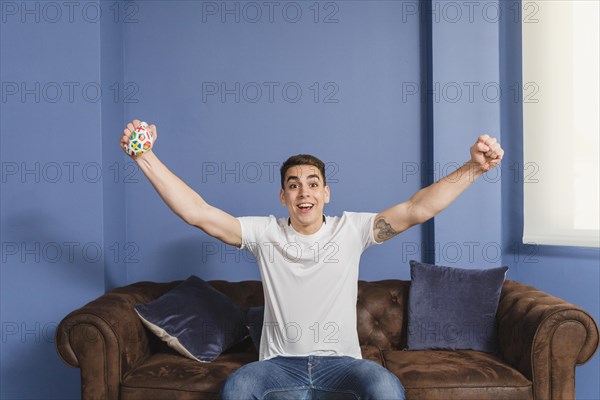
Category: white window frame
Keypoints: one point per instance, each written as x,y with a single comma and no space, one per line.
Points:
561,122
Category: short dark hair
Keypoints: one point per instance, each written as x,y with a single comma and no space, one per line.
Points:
302,159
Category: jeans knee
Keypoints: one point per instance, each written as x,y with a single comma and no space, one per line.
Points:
238,387
386,387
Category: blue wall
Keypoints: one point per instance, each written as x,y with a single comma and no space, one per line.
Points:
51,199
465,66
368,116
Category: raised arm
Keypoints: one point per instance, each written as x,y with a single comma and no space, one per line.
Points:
486,153
182,199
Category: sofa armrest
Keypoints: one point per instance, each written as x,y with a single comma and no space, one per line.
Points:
105,338
544,337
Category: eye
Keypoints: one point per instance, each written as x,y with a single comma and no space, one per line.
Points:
314,184
293,186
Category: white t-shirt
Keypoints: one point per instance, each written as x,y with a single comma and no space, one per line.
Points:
310,283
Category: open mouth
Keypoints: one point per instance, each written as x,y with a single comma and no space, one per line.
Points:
305,207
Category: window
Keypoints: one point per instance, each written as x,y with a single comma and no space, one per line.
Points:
561,122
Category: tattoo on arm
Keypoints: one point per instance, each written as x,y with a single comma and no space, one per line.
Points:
385,230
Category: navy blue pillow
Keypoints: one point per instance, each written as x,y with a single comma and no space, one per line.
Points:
254,322
453,308
195,319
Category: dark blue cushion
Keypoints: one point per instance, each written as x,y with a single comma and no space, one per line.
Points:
254,322
453,308
195,319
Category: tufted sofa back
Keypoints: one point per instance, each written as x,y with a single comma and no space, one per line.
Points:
381,308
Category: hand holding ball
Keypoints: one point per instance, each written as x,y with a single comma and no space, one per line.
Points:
140,140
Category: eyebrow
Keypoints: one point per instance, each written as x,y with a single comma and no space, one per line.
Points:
295,178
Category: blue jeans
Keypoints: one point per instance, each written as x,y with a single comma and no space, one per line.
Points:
311,378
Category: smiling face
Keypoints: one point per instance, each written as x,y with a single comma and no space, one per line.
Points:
305,196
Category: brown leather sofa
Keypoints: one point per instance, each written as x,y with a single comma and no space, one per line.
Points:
541,339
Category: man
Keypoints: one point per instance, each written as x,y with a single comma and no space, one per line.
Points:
309,267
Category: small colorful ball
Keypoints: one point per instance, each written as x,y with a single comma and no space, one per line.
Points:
140,140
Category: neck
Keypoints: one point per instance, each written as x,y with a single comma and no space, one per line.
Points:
307,230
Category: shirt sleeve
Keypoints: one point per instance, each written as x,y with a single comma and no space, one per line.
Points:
363,223
253,229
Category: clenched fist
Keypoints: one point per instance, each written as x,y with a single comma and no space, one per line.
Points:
129,129
486,153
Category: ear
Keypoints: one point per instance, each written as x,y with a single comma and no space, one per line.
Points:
327,194
281,197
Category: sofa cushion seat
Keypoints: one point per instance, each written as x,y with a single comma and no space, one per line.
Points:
170,376
458,374
166,375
